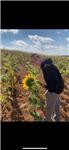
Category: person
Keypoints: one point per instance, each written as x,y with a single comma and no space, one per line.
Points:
36,59
54,86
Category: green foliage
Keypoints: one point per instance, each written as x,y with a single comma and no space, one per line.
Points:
36,116
8,78
34,89
63,66
31,69
10,62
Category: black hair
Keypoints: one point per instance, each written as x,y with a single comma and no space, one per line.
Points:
34,55
52,77
46,62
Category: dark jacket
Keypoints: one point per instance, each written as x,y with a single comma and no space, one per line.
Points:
52,77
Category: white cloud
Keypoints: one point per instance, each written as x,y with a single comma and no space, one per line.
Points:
7,47
58,32
67,39
37,39
3,30
20,43
14,31
47,50
39,44
65,30
54,50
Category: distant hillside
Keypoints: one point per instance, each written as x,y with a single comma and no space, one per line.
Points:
29,53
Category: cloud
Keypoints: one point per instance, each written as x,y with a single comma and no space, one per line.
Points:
67,39
37,39
58,32
40,45
54,50
58,50
7,47
14,31
20,43
65,30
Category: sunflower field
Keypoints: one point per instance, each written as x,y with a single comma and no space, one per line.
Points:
22,97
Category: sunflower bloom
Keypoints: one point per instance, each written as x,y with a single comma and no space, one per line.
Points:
28,81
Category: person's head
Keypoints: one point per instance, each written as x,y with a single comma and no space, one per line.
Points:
35,58
46,62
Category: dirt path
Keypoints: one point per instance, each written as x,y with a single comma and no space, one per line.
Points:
65,104
20,107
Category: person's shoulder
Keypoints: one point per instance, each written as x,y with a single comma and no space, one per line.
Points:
54,67
43,62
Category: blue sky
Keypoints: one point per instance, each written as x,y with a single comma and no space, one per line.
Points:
43,41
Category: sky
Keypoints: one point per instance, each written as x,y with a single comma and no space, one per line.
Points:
41,41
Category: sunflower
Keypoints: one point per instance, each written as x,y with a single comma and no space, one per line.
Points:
28,81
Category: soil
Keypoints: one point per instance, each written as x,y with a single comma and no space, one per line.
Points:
19,106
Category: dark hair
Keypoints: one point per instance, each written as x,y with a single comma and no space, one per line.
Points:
46,62
34,55
52,77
